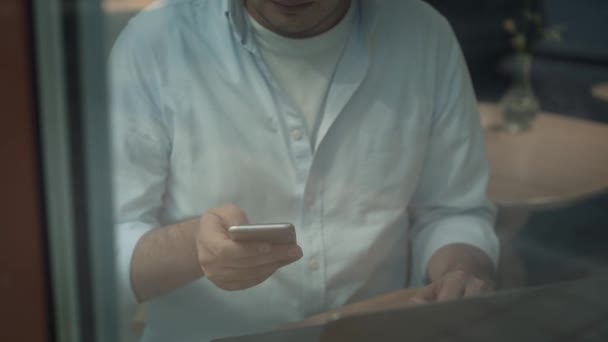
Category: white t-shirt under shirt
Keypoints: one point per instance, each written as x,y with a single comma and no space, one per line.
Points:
304,68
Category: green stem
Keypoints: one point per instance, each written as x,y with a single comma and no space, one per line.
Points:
527,9
526,68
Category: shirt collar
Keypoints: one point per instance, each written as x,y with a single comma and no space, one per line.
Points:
234,12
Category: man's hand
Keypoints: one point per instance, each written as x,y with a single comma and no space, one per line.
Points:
452,285
234,265
456,271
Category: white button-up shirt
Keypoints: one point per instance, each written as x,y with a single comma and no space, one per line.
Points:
399,170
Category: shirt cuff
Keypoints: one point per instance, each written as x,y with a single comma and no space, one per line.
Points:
127,235
459,229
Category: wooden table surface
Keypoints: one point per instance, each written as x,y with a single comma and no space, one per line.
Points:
566,311
600,91
559,161
393,300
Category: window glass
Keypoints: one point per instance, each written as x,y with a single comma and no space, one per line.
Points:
249,167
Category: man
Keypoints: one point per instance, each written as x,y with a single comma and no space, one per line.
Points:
353,120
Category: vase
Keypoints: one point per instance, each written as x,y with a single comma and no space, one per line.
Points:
520,106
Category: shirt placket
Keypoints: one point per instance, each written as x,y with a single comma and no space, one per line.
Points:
310,237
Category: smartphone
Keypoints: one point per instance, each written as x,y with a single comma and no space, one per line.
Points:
280,233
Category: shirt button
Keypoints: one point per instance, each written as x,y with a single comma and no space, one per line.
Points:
273,124
296,134
313,264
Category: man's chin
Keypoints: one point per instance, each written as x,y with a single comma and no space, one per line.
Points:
291,30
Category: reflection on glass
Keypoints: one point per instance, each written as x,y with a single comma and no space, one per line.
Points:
359,147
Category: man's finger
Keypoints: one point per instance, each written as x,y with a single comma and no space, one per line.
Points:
424,295
417,300
239,285
451,288
289,253
228,250
229,215
212,231
475,287
239,274
215,239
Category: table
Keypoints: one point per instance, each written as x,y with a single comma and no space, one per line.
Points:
558,162
393,300
600,91
531,314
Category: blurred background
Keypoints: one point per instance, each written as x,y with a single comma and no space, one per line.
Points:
569,78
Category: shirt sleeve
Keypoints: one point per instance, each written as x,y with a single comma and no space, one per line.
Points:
140,153
450,203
